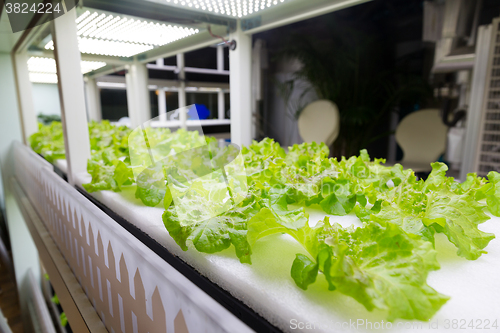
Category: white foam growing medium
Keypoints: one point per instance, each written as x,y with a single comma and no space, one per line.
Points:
266,285
62,165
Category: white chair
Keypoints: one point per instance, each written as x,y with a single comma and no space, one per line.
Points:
422,137
319,122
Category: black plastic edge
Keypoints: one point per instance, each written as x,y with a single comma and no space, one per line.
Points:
60,173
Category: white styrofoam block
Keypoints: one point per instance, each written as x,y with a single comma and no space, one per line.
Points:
62,165
266,285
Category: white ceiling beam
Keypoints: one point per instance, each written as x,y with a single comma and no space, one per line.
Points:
160,83
108,69
295,11
188,69
159,10
191,43
84,56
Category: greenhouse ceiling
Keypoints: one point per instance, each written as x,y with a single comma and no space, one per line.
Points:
110,34
231,8
44,70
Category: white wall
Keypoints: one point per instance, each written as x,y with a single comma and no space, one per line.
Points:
24,250
10,126
46,99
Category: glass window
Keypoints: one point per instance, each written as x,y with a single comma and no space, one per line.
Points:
172,100
114,104
227,105
153,102
209,100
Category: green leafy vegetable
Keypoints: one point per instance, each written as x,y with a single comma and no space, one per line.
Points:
437,205
217,233
383,264
151,187
381,268
49,141
63,319
493,194
304,271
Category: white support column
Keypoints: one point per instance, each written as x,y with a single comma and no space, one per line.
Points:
138,94
25,95
220,58
93,100
23,249
240,62
182,89
162,105
71,94
130,94
221,104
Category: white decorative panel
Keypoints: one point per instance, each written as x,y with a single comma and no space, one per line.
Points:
131,287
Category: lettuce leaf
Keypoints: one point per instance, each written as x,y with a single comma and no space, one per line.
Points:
49,141
493,194
381,268
215,234
276,202
304,271
383,265
437,205
102,177
151,185
458,216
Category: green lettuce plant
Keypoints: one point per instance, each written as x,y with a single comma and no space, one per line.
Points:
383,264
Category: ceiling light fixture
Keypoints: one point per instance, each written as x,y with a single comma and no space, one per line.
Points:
106,34
43,70
235,8
43,78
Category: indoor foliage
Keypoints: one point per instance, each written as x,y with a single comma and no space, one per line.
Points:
383,264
